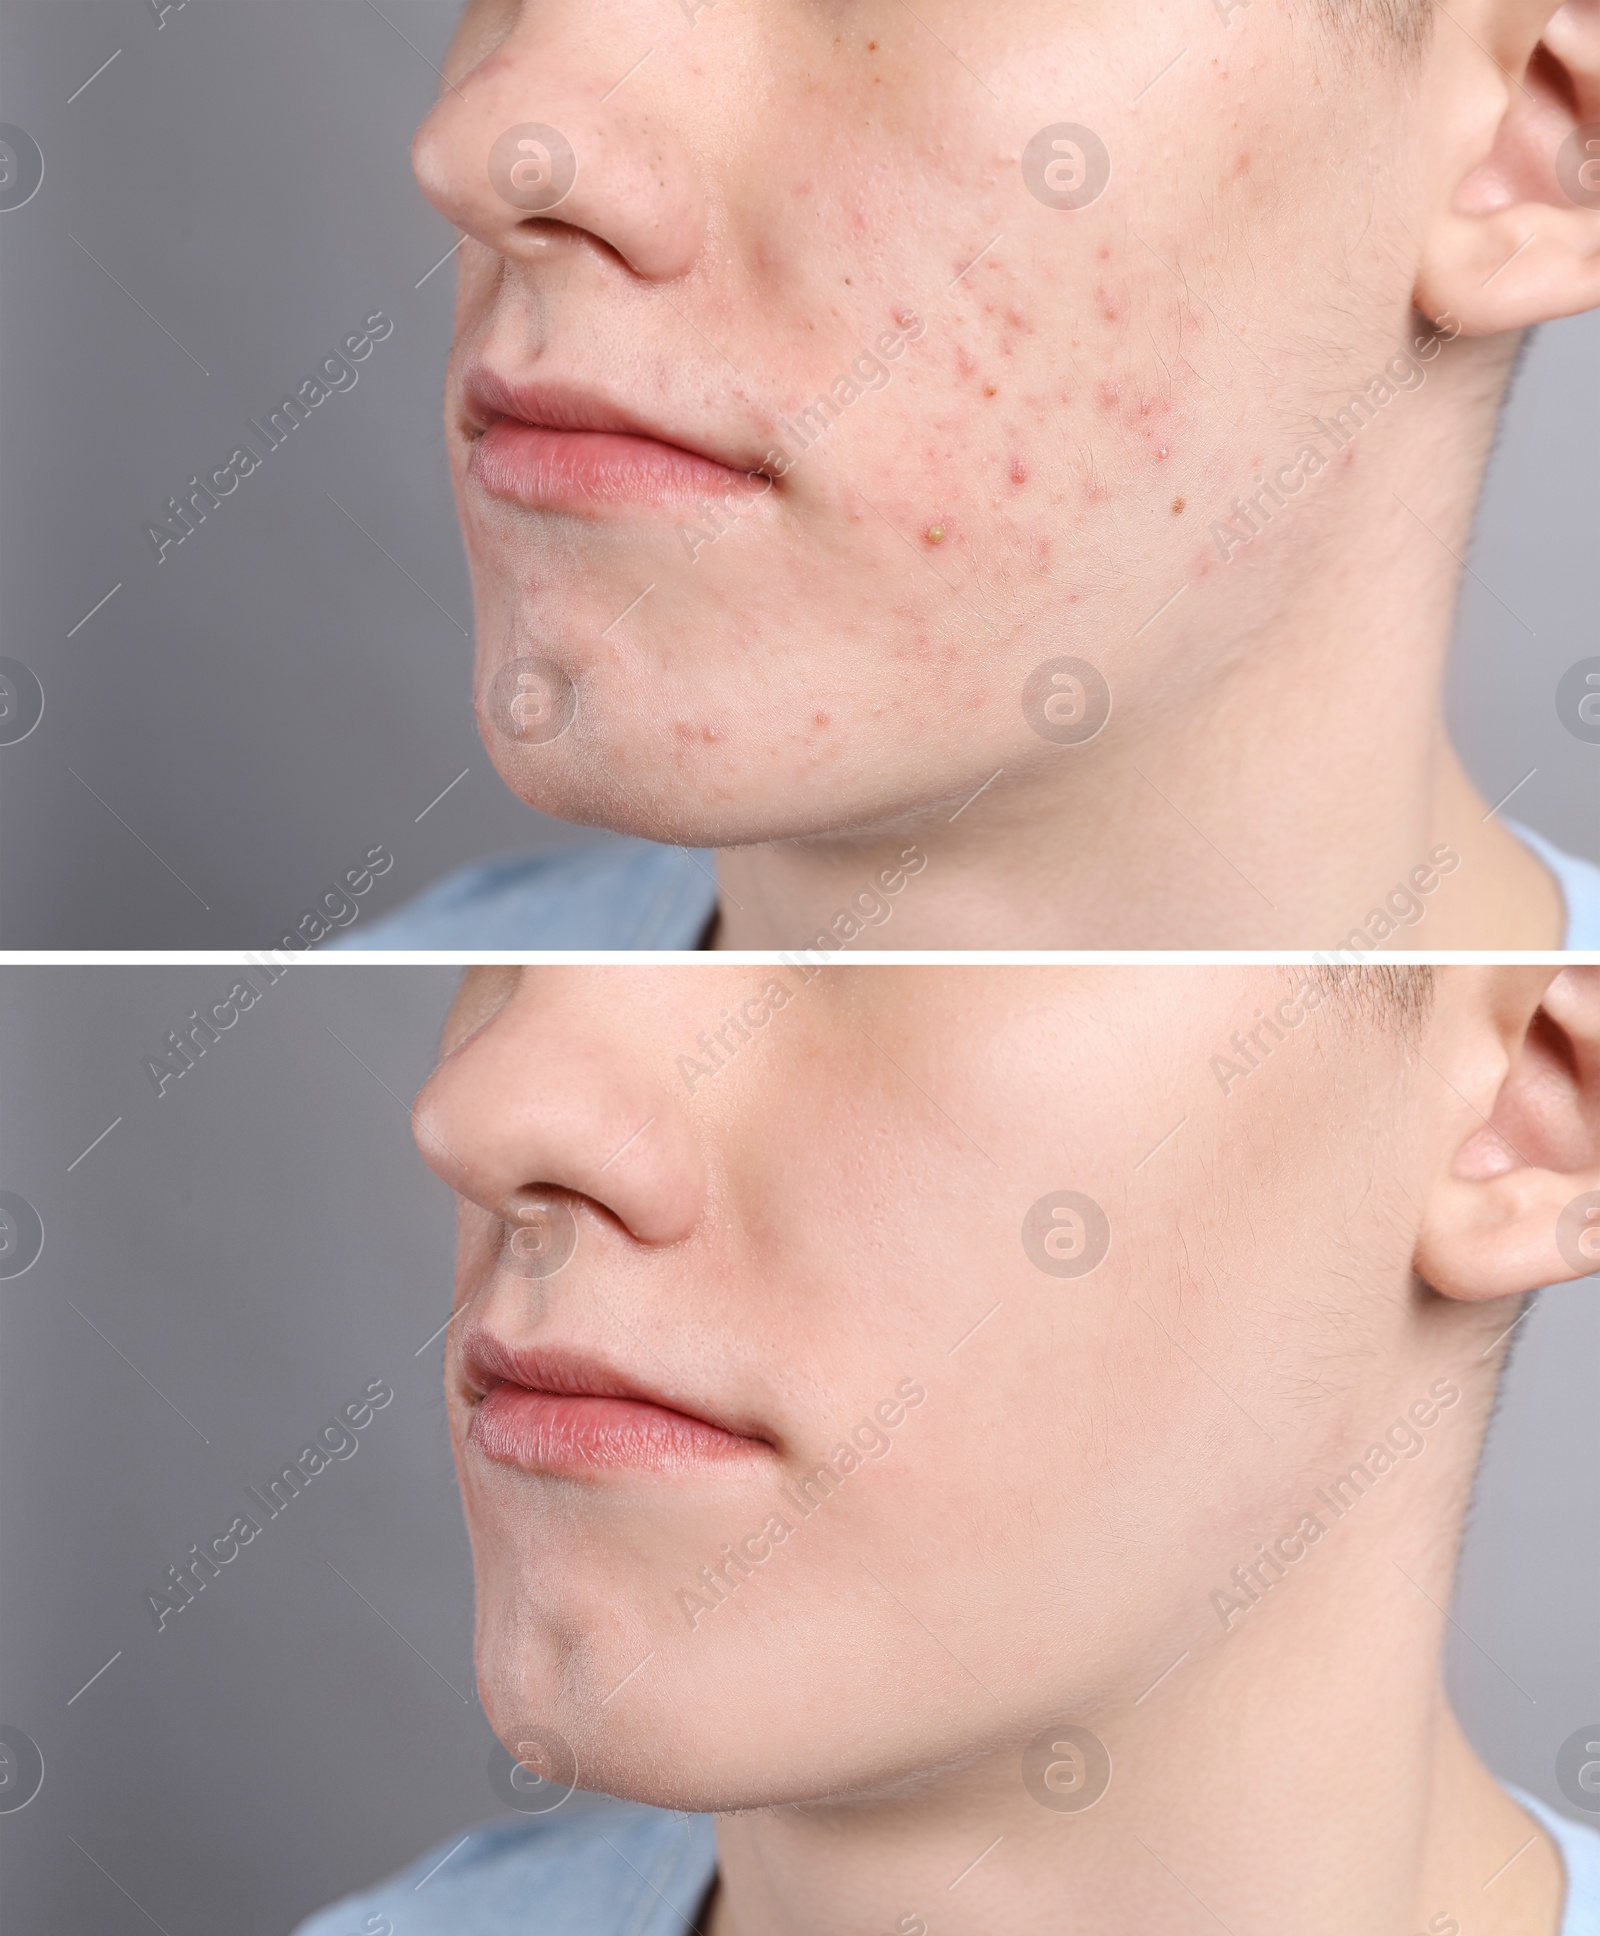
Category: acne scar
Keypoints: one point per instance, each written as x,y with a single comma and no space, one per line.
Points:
989,390
1019,471
1179,505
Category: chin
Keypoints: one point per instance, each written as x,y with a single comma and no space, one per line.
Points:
706,796
758,1716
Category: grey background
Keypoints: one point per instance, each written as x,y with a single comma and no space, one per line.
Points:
277,697
257,1244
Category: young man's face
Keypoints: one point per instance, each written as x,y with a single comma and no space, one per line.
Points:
965,327
1006,1311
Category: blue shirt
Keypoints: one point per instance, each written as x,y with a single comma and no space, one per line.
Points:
634,894
635,1871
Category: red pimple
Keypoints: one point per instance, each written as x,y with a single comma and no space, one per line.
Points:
1019,471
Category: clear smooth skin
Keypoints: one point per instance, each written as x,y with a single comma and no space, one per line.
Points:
791,1235
807,650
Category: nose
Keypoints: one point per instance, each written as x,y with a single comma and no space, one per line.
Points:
564,1087
548,135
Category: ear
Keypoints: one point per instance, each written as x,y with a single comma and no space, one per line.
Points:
1516,239
1519,1205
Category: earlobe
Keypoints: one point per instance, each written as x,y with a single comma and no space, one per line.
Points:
1517,241
1519,1204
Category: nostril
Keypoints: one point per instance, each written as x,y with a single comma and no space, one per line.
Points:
539,1235
533,167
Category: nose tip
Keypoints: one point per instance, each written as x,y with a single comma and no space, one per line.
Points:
526,1108
516,176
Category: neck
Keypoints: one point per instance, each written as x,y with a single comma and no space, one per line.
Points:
1304,1778
1286,845
1275,772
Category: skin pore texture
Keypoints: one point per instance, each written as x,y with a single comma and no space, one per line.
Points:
813,646
805,1226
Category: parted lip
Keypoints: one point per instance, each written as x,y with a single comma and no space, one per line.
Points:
490,396
488,1361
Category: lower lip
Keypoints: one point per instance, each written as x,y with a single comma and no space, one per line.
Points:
567,1432
587,470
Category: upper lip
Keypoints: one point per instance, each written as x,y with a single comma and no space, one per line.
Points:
489,395
488,1361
